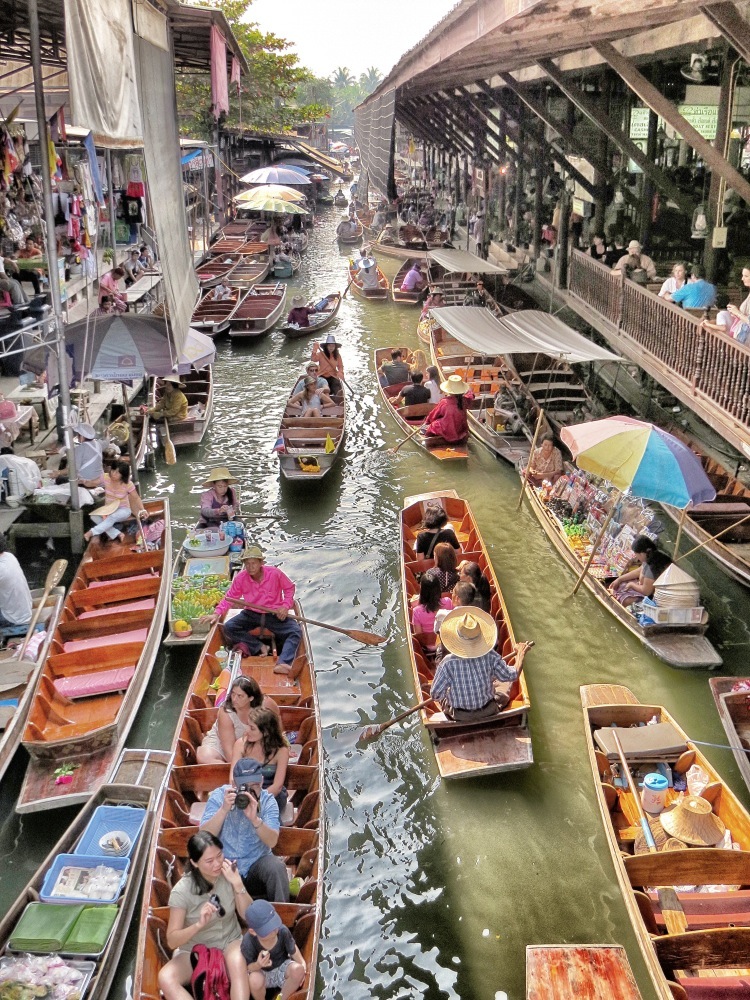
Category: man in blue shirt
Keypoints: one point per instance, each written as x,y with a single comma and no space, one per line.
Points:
250,834
696,293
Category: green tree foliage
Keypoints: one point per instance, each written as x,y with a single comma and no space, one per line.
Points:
348,92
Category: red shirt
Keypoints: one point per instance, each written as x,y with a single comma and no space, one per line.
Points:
448,421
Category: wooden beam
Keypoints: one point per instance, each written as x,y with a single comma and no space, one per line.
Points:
617,136
666,110
517,155
417,126
436,115
731,24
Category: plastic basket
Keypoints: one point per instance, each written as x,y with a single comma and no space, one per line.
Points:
81,861
105,820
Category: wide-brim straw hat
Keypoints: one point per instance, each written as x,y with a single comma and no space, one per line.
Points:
175,380
253,552
454,385
221,473
298,300
468,633
692,821
108,508
331,341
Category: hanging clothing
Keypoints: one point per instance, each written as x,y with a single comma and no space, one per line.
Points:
133,210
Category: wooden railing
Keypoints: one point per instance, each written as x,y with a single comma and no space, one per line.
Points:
713,363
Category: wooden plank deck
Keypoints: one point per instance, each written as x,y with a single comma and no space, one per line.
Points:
584,972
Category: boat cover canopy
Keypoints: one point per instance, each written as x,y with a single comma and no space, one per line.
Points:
527,331
462,260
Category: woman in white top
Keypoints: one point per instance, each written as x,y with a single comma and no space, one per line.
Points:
676,280
15,596
433,384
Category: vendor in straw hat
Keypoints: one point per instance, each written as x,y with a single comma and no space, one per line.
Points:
327,357
448,419
465,679
220,502
173,404
300,313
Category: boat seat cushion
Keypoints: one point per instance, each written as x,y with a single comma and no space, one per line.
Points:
706,910
148,604
100,641
196,812
90,685
715,987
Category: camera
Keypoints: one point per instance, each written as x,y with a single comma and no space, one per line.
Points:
242,799
215,901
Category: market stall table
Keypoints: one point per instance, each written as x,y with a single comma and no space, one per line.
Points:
139,293
32,396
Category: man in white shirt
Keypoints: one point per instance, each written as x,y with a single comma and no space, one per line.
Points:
15,596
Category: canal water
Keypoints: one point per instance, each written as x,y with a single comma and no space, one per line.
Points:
432,890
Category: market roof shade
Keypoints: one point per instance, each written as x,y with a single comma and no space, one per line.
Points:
282,191
462,260
274,206
635,455
276,175
528,331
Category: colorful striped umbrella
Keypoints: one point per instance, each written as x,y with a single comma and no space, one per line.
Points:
635,455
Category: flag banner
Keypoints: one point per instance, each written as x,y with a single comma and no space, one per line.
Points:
330,446
279,446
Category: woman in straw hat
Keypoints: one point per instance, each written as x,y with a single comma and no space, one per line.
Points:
464,682
448,419
300,313
328,359
173,404
220,502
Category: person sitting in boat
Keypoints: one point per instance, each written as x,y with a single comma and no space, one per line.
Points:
476,296
414,393
465,680
232,720
546,462
396,370
220,502
195,918
247,819
446,565
429,602
413,279
15,596
433,301
310,400
299,315
448,419
347,227
638,583
313,370
368,273
463,595
274,961
121,501
266,587
433,384
470,572
418,362
173,404
264,741
222,292
331,364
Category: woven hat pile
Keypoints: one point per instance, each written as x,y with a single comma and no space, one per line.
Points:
693,821
676,589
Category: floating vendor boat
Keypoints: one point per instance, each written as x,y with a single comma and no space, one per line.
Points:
287,268
318,321
591,972
302,834
340,200
249,271
211,315
462,749
732,697
258,311
299,240
409,418
95,676
407,298
408,241
454,273
216,269
309,447
686,896
55,931
199,390
379,294
349,235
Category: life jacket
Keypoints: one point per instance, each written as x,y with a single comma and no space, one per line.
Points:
209,980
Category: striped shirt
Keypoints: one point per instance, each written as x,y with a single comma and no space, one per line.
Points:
466,683
117,491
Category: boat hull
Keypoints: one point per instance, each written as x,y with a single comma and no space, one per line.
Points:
734,712
256,314
296,333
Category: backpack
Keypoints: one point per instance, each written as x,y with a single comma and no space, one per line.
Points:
209,980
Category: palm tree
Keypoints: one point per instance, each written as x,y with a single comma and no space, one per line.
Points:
342,77
370,79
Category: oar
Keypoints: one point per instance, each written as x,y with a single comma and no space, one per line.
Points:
170,457
368,638
372,732
645,825
54,576
392,451
347,289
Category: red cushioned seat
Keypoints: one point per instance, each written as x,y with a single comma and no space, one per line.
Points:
89,685
715,987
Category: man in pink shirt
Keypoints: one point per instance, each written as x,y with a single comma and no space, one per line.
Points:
266,587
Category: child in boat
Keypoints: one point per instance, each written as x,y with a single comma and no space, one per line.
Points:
273,959
429,602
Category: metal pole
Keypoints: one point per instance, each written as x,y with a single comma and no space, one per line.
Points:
206,203
131,442
111,201
51,246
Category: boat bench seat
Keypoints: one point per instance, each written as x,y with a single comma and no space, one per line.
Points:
100,641
710,987
718,510
148,604
89,685
708,910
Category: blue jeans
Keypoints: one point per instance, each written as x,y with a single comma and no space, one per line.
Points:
107,524
288,633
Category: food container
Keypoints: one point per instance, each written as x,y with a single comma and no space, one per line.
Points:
109,819
206,543
654,794
87,969
72,877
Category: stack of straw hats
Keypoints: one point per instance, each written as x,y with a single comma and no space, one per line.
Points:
676,589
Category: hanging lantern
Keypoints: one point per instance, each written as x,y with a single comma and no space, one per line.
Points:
700,223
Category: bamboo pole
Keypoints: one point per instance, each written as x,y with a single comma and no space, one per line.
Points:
680,524
714,537
540,420
597,543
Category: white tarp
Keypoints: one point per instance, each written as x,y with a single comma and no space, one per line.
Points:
101,71
527,331
462,260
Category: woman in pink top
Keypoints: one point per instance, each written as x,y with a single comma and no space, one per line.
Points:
108,286
118,489
430,602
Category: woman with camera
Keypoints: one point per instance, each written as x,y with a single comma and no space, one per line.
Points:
264,741
203,909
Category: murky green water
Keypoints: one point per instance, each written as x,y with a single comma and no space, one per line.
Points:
432,890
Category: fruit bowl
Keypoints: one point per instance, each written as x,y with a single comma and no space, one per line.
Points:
183,633
205,544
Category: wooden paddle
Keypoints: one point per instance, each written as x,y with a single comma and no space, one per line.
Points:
170,456
392,451
347,289
372,732
368,638
645,825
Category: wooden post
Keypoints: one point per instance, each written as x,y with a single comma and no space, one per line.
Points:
711,257
648,184
519,181
597,543
501,188
680,524
537,430
536,235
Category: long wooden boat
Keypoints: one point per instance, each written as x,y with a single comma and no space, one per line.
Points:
214,270
683,934
317,321
408,242
302,452
138,782
211,316
556,387
349,237
463,750
487,377
18,677
300,241
682,646
199,390
287,269
99,665
340,200
588,971
379,294
301,837
734,712
407,298
258,311
249,271
409,418
227,244
234,229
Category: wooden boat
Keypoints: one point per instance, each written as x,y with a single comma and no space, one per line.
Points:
211,316
299,240
683,646
199,390
229,244
345,236
301,837
406,298
683,935
95,676
556,387
214,270
18,677
286,269
258,311
303,454
592,972
734,712
318,321
249,271
408,242
506,432
234,229
340,199
410,417
463,750
379,294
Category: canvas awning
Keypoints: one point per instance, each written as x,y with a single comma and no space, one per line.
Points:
527,331
462,260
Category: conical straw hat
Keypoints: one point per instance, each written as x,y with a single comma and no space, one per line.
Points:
675,576
692,821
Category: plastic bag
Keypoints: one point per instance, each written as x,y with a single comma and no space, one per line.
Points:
697,780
